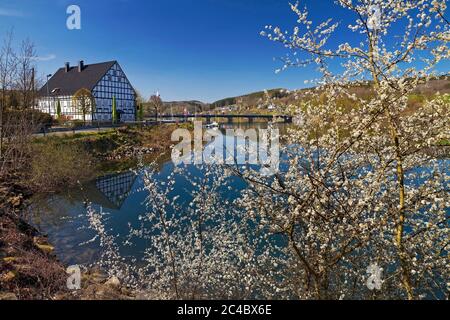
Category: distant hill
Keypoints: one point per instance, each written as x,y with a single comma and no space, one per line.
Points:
261,100
441,85
251,98
258,100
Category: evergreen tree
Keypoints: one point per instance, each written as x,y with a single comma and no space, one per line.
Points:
58,109
114,110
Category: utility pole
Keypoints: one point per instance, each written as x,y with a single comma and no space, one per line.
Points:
33,91
33,97
48,95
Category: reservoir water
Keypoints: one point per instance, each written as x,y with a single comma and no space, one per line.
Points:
62,217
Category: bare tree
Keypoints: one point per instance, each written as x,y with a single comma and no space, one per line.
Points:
18,133
84,101
17,95
156,103
139,98
8,64
25,70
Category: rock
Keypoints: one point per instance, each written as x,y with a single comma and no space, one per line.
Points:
46,248
10,259
43,245
61,297
15,201
113,282
8,296
8,277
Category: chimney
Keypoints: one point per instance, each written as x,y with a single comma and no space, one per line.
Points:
67,67
80,66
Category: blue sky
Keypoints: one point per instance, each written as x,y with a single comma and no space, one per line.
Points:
186,49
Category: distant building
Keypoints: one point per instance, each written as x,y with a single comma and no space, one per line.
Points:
104,80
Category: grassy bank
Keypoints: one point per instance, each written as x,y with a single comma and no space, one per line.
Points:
65,161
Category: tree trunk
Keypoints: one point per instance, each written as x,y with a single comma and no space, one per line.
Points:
401,210
400,181
2,108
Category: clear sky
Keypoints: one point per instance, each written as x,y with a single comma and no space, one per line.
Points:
186,49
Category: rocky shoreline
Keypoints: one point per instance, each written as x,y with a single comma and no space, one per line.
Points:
28,270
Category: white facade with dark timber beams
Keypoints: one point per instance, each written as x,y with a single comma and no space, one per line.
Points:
104,80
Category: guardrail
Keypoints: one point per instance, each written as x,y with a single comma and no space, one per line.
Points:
97,126
230,117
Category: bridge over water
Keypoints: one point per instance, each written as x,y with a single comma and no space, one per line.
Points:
229,117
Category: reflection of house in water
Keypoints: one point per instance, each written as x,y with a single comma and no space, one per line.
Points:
111,191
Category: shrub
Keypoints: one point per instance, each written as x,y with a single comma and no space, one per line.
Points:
34,117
